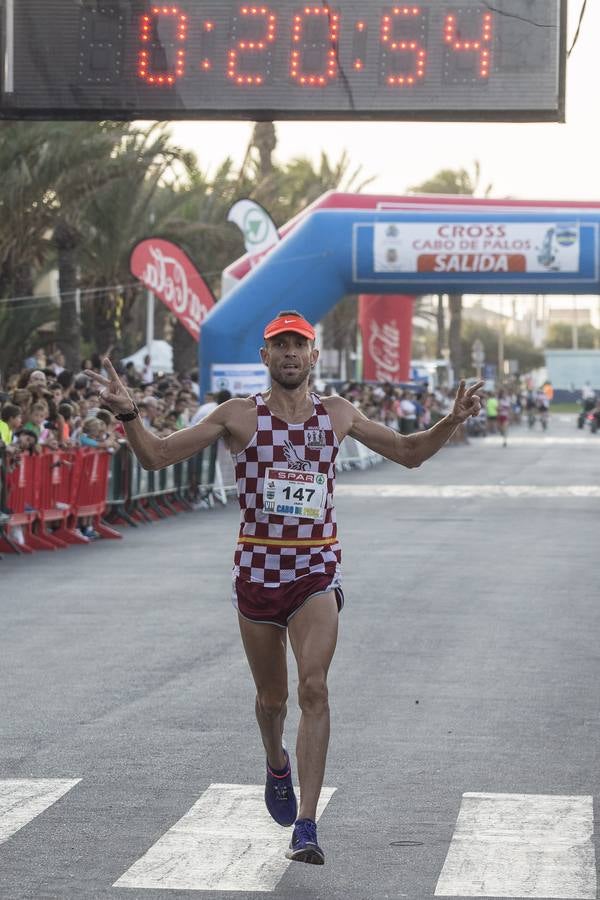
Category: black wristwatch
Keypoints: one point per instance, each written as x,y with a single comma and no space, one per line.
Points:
128,417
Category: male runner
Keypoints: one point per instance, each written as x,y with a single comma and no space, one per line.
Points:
287,561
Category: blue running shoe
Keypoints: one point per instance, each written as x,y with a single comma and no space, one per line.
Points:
304,846
279,795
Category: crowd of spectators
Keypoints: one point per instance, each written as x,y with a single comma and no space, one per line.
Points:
48,406
412,409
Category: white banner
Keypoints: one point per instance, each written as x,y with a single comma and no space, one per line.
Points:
477,247
255,223
239,378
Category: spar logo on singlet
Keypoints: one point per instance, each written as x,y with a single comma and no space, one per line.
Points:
293,460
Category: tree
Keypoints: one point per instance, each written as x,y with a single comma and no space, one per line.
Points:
515,347
560,336
80,195
145,197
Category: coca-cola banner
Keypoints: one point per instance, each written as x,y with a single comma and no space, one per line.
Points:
169,272
385,322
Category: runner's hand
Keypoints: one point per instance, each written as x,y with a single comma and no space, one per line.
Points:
111,390
467,402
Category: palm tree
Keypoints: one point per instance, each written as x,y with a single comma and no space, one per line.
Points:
142,198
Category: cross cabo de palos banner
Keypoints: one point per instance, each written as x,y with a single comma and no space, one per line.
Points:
473,247
166,270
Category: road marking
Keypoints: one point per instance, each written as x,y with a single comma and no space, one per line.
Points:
521,845
226,842
540,440
22,799
452,491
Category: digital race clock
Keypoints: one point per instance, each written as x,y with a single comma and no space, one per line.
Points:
284,59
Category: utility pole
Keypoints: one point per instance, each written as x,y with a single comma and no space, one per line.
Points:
501,342
574,326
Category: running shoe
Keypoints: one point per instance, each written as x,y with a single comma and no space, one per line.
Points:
303,846
279,795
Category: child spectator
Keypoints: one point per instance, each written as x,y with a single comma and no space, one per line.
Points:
10,421
26,441
92,434
37,416
65,412
109,436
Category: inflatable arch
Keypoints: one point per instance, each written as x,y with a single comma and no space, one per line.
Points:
334,252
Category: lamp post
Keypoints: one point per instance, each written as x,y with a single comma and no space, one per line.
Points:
478,356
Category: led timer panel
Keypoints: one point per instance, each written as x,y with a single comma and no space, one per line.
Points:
434,59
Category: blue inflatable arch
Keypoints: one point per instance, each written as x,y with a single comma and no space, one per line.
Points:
332,253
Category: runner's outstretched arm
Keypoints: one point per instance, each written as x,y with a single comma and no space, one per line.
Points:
406,450
152,451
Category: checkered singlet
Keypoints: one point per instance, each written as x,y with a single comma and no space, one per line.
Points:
284,556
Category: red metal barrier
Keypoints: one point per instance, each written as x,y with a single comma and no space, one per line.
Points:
89,496
54,495
55,488
21,499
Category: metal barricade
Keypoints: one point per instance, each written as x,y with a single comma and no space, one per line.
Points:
354,455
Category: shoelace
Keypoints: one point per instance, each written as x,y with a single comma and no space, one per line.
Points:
306,831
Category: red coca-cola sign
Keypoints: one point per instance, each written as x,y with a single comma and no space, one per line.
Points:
386,325
171,275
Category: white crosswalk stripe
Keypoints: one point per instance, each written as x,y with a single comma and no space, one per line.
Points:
521,845
22,799
503,845
226,842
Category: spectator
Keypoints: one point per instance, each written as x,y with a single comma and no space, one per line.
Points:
132,375
504,410
37,417
181,412
57,363
408,414
147,373
93,434
58,394
10,421
26,441
66,411
149,410
491,411
205,408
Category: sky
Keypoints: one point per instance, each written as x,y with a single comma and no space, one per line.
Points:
527,161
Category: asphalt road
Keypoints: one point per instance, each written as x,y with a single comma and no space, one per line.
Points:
468,663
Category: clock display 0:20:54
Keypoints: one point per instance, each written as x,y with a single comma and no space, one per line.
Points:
168,38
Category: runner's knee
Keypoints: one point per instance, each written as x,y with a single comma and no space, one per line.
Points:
312,693
271,703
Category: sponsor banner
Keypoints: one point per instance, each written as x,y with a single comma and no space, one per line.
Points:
257,226
171,275
486,248
239,378
385,322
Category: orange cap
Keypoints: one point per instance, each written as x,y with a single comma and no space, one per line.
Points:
291,321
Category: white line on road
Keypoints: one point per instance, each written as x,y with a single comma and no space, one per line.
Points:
538,440
22,799
452,491
226,842
521,845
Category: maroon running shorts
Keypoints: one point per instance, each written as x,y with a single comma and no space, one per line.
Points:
277,605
